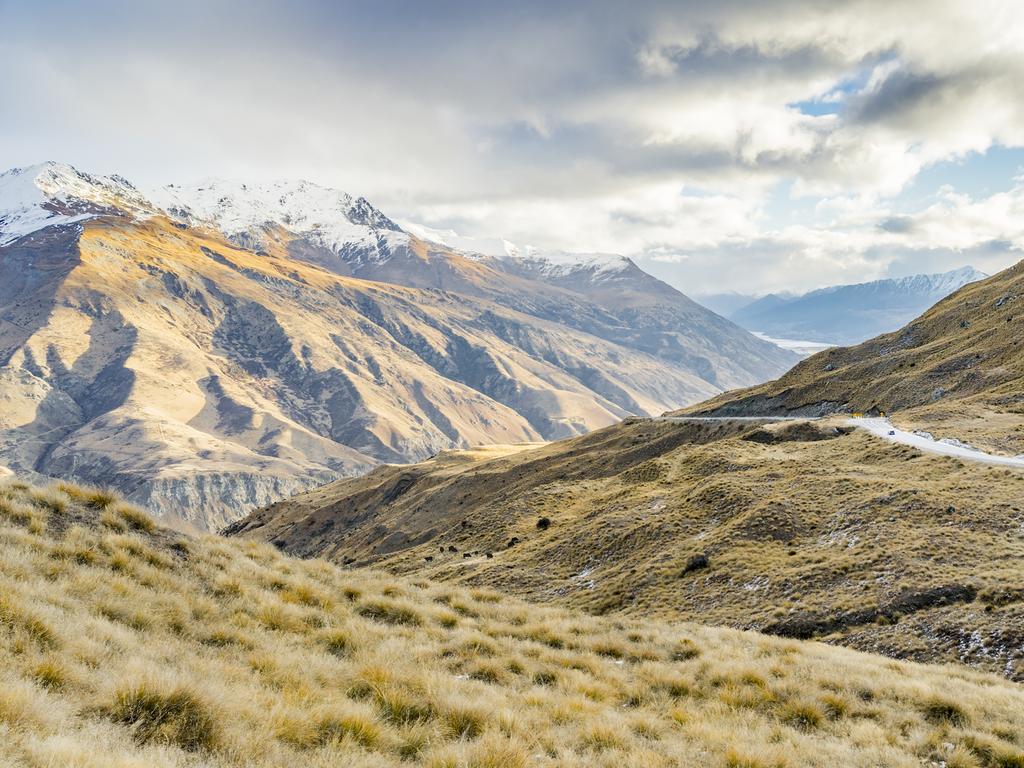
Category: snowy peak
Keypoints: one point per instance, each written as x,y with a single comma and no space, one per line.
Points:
940,284
552,264
361,212
527,258
49,194
327,217
349,227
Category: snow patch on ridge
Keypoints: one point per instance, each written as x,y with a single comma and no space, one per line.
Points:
327,217
561,263
940,284
548,263
49,194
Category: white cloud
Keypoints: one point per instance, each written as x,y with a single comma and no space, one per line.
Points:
658,129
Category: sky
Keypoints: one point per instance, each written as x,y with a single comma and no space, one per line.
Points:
723,145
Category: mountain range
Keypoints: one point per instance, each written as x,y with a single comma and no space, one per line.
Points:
218,346
842,314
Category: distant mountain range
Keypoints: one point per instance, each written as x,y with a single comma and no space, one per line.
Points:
841,314
217,346
960,358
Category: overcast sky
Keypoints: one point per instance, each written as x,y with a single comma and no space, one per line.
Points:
747,146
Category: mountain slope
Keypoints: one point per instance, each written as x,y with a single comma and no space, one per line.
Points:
726,304
805,530
604,295
849,314
959,366
152,354
124,644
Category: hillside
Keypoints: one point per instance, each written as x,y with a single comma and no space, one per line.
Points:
798,529
957,369
210,370
125,644
849,314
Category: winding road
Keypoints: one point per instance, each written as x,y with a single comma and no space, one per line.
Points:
880,427
883,427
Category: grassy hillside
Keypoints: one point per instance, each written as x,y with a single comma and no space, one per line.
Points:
807,530
959,368
124,644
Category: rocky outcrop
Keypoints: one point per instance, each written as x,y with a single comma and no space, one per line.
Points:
220,493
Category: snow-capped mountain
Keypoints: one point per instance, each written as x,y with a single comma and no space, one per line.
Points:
191,347
553,264
561,264
938,285
52,194
850,314
329,218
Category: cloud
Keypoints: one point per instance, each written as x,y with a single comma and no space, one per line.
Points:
897,224
659,129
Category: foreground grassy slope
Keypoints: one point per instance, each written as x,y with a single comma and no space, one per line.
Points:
959,368
124,644
808,530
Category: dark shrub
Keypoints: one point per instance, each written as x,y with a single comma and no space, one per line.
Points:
696,563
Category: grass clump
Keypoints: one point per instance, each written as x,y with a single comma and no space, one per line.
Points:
943,711
389,612
95,498
25,515
130,517
338,642
23,620
158,714
348,723
802,714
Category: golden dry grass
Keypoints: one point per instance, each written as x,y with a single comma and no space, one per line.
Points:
131,645
851,539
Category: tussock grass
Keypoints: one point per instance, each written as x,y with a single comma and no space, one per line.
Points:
130,645
849,539
162,713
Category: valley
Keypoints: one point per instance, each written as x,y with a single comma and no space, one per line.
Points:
512,385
